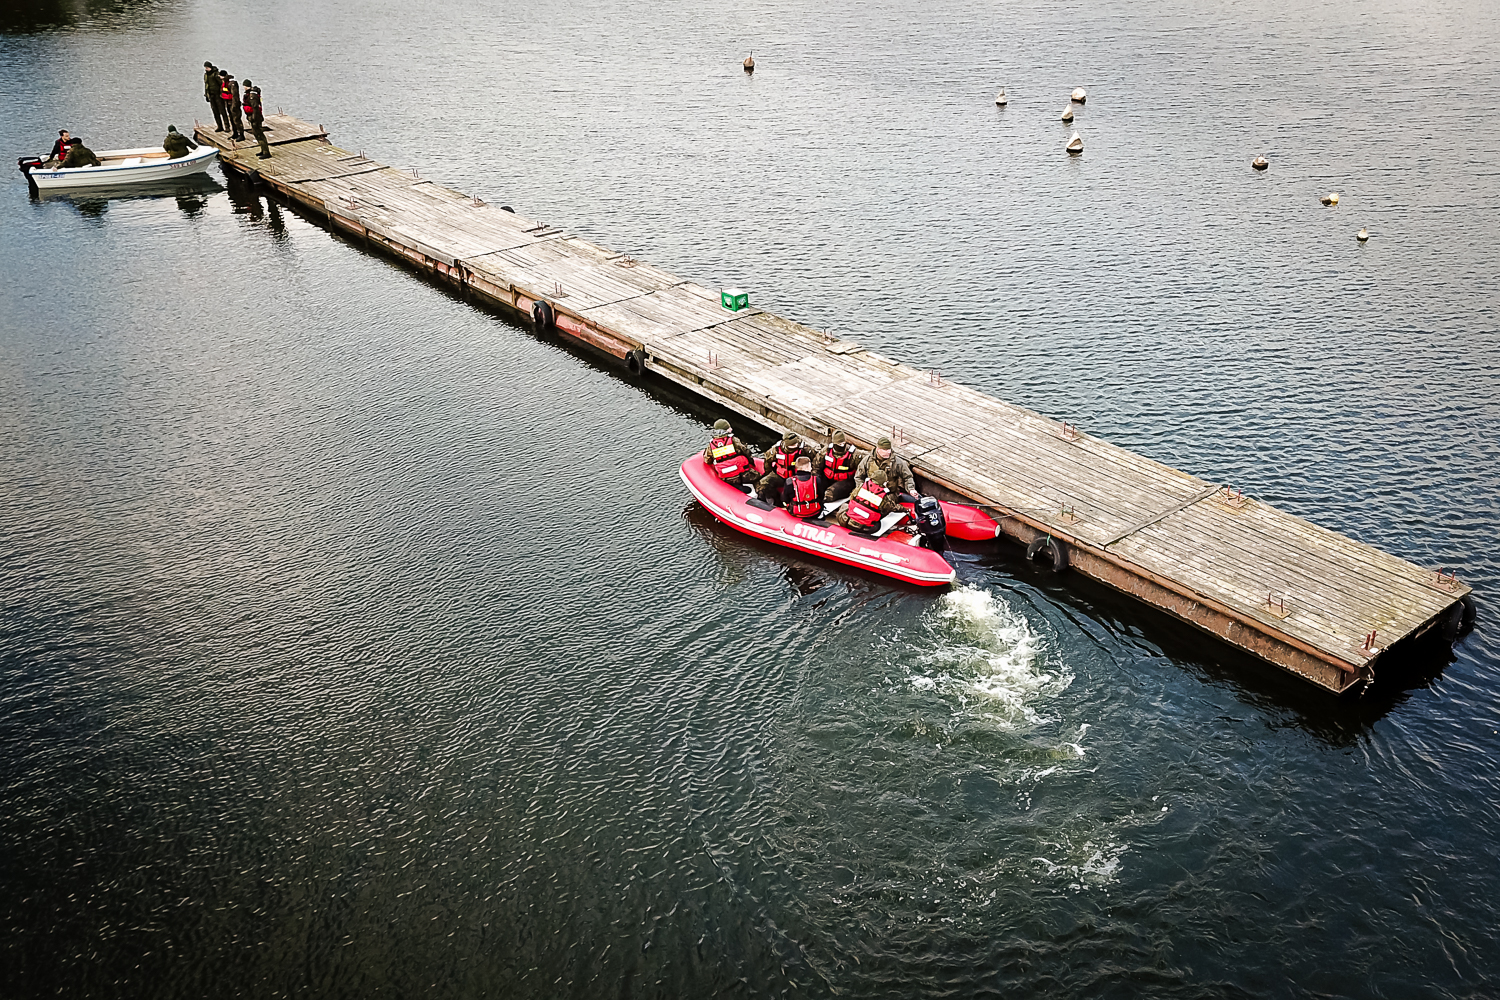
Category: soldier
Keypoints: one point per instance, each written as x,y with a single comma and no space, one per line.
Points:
871,502
79,155
175,143
800,494
253,113
230,92
836,474
779,466
212,96
894,466
730,458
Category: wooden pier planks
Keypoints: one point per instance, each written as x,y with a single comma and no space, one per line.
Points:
1151,530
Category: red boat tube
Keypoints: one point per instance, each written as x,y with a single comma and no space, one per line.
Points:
895,554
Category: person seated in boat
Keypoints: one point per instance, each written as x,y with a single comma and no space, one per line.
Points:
897,472
175,143
59,148
779,465
836,475
730,458
79,155
800,494
868,504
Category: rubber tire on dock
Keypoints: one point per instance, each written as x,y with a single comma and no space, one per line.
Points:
636,361
541,315
1056,552
1458,621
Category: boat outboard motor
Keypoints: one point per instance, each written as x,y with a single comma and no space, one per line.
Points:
24,164
932,523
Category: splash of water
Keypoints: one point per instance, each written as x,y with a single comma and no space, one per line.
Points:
987,654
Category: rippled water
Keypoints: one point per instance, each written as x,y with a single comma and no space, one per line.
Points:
356,642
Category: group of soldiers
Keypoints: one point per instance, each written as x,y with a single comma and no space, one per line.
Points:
801,477
69,151
233,106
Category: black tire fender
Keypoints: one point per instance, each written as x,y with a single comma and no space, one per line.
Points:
541,315
1054,550
636,361
1471,612
1452,622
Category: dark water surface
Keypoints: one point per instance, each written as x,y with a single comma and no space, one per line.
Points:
356,642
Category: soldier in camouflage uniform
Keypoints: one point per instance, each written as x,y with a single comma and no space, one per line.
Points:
893,465
257,118
231,93
212,96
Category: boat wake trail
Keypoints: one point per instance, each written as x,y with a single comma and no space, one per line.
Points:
984,654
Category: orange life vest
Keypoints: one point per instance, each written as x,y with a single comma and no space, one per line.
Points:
805,502
838,468
864,505
728,461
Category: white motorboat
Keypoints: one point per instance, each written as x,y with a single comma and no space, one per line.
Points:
119,167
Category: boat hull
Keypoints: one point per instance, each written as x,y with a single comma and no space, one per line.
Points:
896,555
118,171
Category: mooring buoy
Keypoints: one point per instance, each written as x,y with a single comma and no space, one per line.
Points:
1000,99
1331,198
1362,235
1067,114
1260,163
1079,95
1075,145
749,63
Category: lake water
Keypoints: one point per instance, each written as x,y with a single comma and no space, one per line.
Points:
356,642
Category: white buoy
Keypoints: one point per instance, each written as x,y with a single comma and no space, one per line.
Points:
1000,99
1362,235
1331,198
1075,145
749,63
1067,114
1260,163
1080,95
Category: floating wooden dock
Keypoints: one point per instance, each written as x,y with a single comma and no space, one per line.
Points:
1307,599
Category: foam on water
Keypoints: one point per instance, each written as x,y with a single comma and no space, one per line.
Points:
987,655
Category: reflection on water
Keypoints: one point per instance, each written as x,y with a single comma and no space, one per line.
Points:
356,641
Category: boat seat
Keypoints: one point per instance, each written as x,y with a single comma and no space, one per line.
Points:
888,522
133,161
830,509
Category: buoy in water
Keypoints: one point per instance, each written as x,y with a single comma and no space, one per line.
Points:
1079,95
1362,235
1331,198
1000,99
1260,163
1075,145
749,63
1067,114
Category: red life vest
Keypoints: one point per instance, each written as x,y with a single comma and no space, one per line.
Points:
840,468
784,464
864,505
246,106
728,462
225,93
805,502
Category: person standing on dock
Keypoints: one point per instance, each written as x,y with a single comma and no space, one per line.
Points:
730,458
213,97
780,465
897,472
836,475
253,112
230,91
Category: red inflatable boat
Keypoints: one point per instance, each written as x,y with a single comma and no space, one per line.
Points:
894,553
